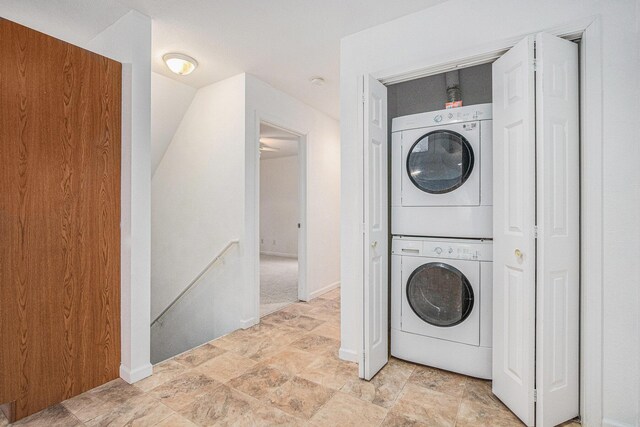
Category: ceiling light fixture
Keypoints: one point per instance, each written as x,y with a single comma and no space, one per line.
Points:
318,81
179,63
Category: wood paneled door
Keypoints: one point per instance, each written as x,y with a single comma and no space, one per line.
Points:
60,130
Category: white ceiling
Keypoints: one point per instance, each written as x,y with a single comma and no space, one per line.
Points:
283,42
285,143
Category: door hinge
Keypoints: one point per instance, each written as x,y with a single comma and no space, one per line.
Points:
535,231
535,395
364,99
535,64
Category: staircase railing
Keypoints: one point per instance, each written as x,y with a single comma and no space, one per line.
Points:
195,280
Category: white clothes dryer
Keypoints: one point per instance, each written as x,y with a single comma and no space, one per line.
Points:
441,294
441,173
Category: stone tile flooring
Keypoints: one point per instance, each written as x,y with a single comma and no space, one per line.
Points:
284,371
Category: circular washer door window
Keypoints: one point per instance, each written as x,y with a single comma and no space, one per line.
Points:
440,162
440,294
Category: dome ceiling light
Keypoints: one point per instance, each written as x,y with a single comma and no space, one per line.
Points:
180,63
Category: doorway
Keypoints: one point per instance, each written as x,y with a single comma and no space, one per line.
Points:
567,174
279,218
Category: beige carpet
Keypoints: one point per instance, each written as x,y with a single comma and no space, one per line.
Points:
278,283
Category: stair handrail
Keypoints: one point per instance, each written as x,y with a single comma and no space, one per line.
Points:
195,280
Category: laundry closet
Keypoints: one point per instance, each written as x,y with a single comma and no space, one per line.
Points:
441,220
471,196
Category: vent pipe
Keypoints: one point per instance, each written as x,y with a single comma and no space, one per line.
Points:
452,79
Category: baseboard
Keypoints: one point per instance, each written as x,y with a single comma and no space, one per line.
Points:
348,355
244,324
132,376
324,290
279,254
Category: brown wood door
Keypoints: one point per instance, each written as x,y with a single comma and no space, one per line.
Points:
59,219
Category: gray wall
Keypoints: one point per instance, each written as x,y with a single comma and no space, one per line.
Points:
429,93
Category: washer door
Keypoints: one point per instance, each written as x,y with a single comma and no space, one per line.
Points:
440,161
440,294
441,298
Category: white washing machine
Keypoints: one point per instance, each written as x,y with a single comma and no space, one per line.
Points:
441,294
441,173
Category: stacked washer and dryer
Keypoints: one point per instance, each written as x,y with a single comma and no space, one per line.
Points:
441,223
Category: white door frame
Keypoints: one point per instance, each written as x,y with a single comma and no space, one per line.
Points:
254,240
591,218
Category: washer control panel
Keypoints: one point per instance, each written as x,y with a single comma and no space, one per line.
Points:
455,252
475,250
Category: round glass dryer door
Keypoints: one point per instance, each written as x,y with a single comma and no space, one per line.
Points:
440,162
440,294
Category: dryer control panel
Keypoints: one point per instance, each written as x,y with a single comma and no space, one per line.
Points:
442,117
476,250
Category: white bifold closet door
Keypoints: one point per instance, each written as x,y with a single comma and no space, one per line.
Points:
375,351
536,230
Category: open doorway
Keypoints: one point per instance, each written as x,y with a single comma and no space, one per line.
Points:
280,196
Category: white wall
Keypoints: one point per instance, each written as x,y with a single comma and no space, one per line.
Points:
401,44
279,206
198,192
203,194
127,40
322,183
169,101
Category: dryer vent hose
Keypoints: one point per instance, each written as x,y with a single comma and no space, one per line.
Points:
452,79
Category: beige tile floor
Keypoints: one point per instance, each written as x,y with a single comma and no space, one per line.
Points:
284,371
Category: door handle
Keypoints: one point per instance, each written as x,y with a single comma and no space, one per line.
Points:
410,250
374,243
518,253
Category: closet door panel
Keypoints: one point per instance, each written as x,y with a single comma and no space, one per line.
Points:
376,231
558,258
513,227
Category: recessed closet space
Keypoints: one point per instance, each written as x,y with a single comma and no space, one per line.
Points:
440,140
472,211
430,93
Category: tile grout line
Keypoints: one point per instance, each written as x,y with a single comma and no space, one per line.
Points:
455,421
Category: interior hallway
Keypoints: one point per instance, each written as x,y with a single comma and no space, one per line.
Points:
284,371
278,283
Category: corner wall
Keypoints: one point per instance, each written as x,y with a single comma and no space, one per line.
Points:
424,38
127,40
170,100
198,193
